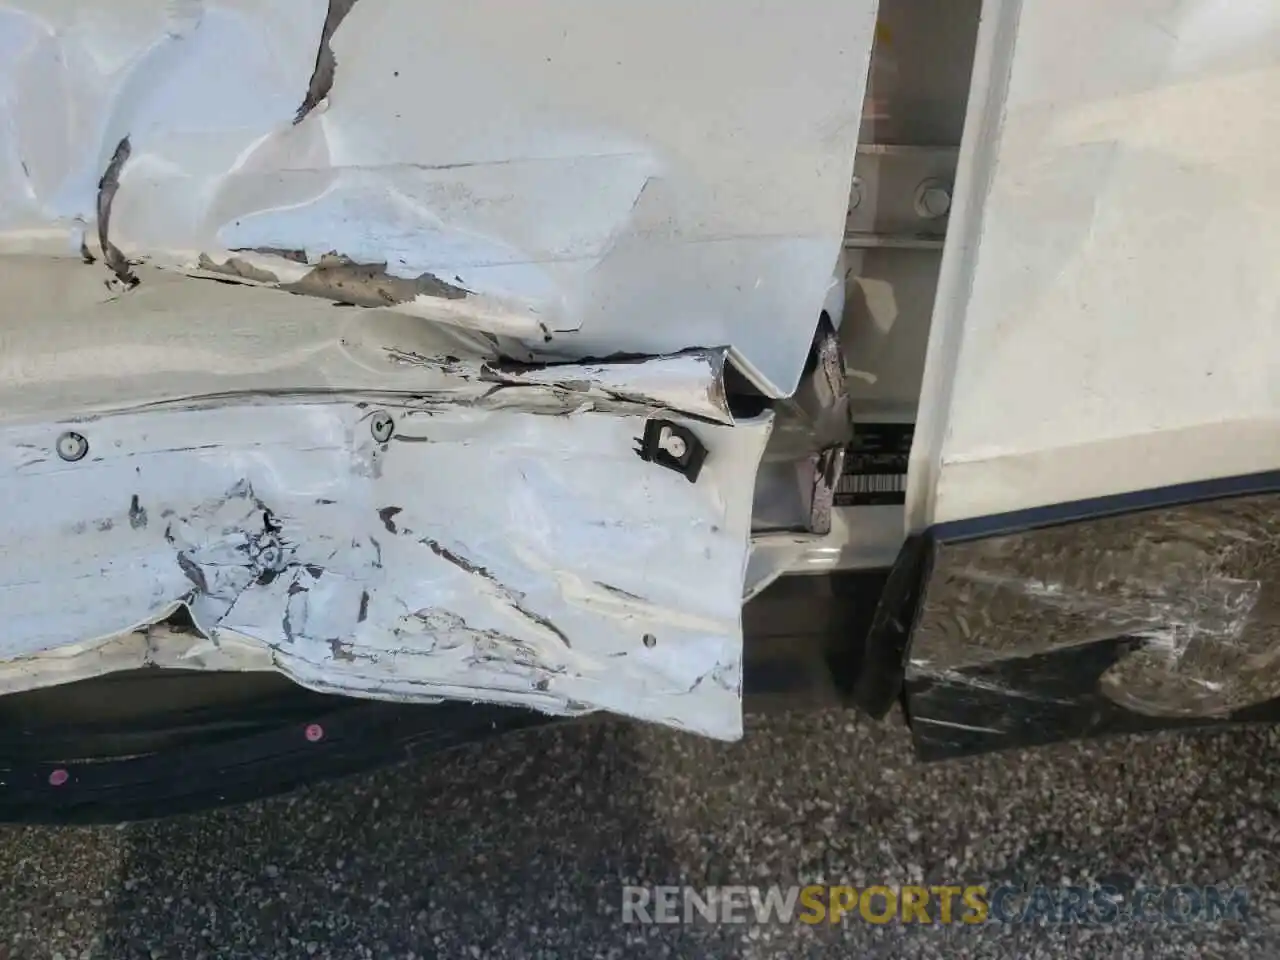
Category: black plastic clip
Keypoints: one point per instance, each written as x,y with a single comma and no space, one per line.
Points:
673,446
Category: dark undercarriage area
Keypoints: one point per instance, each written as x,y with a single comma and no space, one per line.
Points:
154,742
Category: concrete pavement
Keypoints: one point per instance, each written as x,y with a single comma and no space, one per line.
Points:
519,848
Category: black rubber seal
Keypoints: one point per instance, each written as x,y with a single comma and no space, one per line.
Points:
879,682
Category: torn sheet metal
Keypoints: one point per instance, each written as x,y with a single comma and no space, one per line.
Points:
73,348
585,180
507,556
1193,591
796,483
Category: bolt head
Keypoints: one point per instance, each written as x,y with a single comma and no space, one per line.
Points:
933,200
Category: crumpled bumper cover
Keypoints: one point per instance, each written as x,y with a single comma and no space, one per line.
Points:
472,530
269,266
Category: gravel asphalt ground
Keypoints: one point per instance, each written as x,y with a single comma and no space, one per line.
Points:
519,848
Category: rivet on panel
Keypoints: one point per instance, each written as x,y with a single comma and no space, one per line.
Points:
382,426
72,446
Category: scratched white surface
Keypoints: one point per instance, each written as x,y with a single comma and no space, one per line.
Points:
513,557
665,181
71,347
638,177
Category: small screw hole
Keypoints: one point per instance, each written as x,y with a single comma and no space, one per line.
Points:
650,640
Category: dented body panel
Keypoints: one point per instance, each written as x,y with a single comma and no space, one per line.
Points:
332,553
423,350
579,179
357,329
389,522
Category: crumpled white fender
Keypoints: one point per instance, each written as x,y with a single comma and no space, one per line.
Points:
268,266
468,530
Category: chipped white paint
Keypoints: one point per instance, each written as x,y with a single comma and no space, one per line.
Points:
588,178
507,556
72,347
1108,314
153,646
506,544
664,182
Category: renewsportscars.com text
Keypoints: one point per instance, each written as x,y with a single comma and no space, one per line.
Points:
936,904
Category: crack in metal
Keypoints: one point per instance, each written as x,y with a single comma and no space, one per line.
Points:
115,260
322,74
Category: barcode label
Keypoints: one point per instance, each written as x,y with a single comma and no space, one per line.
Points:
875,466
873,483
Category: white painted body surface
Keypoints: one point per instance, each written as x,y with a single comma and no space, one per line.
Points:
558,182
477,555
500,541
583,178
1108,314
392,195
